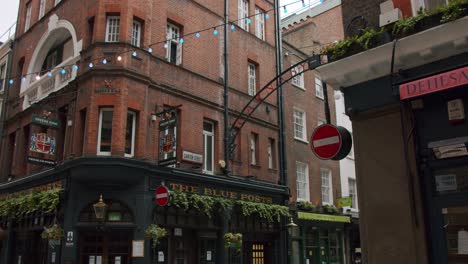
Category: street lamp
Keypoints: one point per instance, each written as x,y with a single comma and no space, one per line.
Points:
100,209
292,228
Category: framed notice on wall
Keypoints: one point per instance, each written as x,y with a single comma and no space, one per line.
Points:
138,248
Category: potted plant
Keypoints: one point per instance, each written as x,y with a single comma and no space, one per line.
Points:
454,10
154,233
54,234
233,241
405,27
373,38
306,206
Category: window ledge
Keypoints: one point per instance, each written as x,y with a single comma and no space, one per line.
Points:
298,87
272,170
301,140
256,166
321,98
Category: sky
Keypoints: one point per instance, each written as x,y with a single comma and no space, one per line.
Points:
9,11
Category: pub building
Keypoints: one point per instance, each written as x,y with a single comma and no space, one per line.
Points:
411,146
98,117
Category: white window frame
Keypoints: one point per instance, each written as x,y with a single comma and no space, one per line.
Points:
27,22
173,33
99,152
112,28
318,87
326,177
205,135
302,123
2,77
259,23
253,149
132,151
57,2
302,170
252,79
270,153
42,4
353,192
243,7
298,80
136,33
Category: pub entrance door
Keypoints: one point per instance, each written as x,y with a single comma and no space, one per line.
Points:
112,247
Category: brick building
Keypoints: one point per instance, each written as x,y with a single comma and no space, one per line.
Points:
105,91
314,183
407,103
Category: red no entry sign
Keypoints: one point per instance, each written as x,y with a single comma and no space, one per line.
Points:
162,195
331,142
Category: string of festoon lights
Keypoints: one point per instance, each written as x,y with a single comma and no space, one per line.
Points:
149,49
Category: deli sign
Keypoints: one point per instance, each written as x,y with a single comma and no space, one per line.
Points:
434,83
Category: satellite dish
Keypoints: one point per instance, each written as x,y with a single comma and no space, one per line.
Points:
356,27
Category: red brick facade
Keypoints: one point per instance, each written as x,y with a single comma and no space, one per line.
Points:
145,83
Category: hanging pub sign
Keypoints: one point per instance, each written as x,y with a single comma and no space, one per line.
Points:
168,137
42,143
42,146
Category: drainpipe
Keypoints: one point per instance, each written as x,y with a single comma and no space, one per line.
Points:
227,132
325,103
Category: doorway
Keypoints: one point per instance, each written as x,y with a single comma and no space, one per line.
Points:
112,247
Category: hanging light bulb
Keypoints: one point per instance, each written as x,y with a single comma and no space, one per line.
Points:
267,16
215,32
38,77
49,74
11,82
119,58
285,10
91,65
63,71
165,45
104,61
233,27
23,79
249,21
134,54
75,67
181,41
150,50
197,35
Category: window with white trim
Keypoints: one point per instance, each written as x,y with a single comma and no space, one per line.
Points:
27,21
352,192
173,45
300,131
243,6
136,33
318,87
105,131
112,28
327,189
208,147
271,153
298,79
259,23
42,8
253,149
302,181
252,79
130,134
2,76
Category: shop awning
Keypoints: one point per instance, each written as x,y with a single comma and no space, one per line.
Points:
324,217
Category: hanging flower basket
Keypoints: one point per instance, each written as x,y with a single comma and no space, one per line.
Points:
155,233
53,233
233,241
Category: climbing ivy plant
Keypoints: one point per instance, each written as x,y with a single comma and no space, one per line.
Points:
21,205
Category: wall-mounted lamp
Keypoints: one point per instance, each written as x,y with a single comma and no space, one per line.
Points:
100,209
154,117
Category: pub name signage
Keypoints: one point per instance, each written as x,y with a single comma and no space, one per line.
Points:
435,83
221,193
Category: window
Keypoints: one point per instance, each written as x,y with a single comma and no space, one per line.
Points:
42,8
327,190
300,125
302,181
259,23
173,45
318,87
298,80
2,76
208,147
252,79
253,149
271,153
136,33
53,58
130,134
352,192
27,22
105,131
258,254
112,29
243,14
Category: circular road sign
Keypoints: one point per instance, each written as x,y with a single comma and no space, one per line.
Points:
162,195
331,142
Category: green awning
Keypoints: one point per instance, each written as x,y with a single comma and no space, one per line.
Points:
324,217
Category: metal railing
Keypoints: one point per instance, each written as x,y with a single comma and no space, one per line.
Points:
8,34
